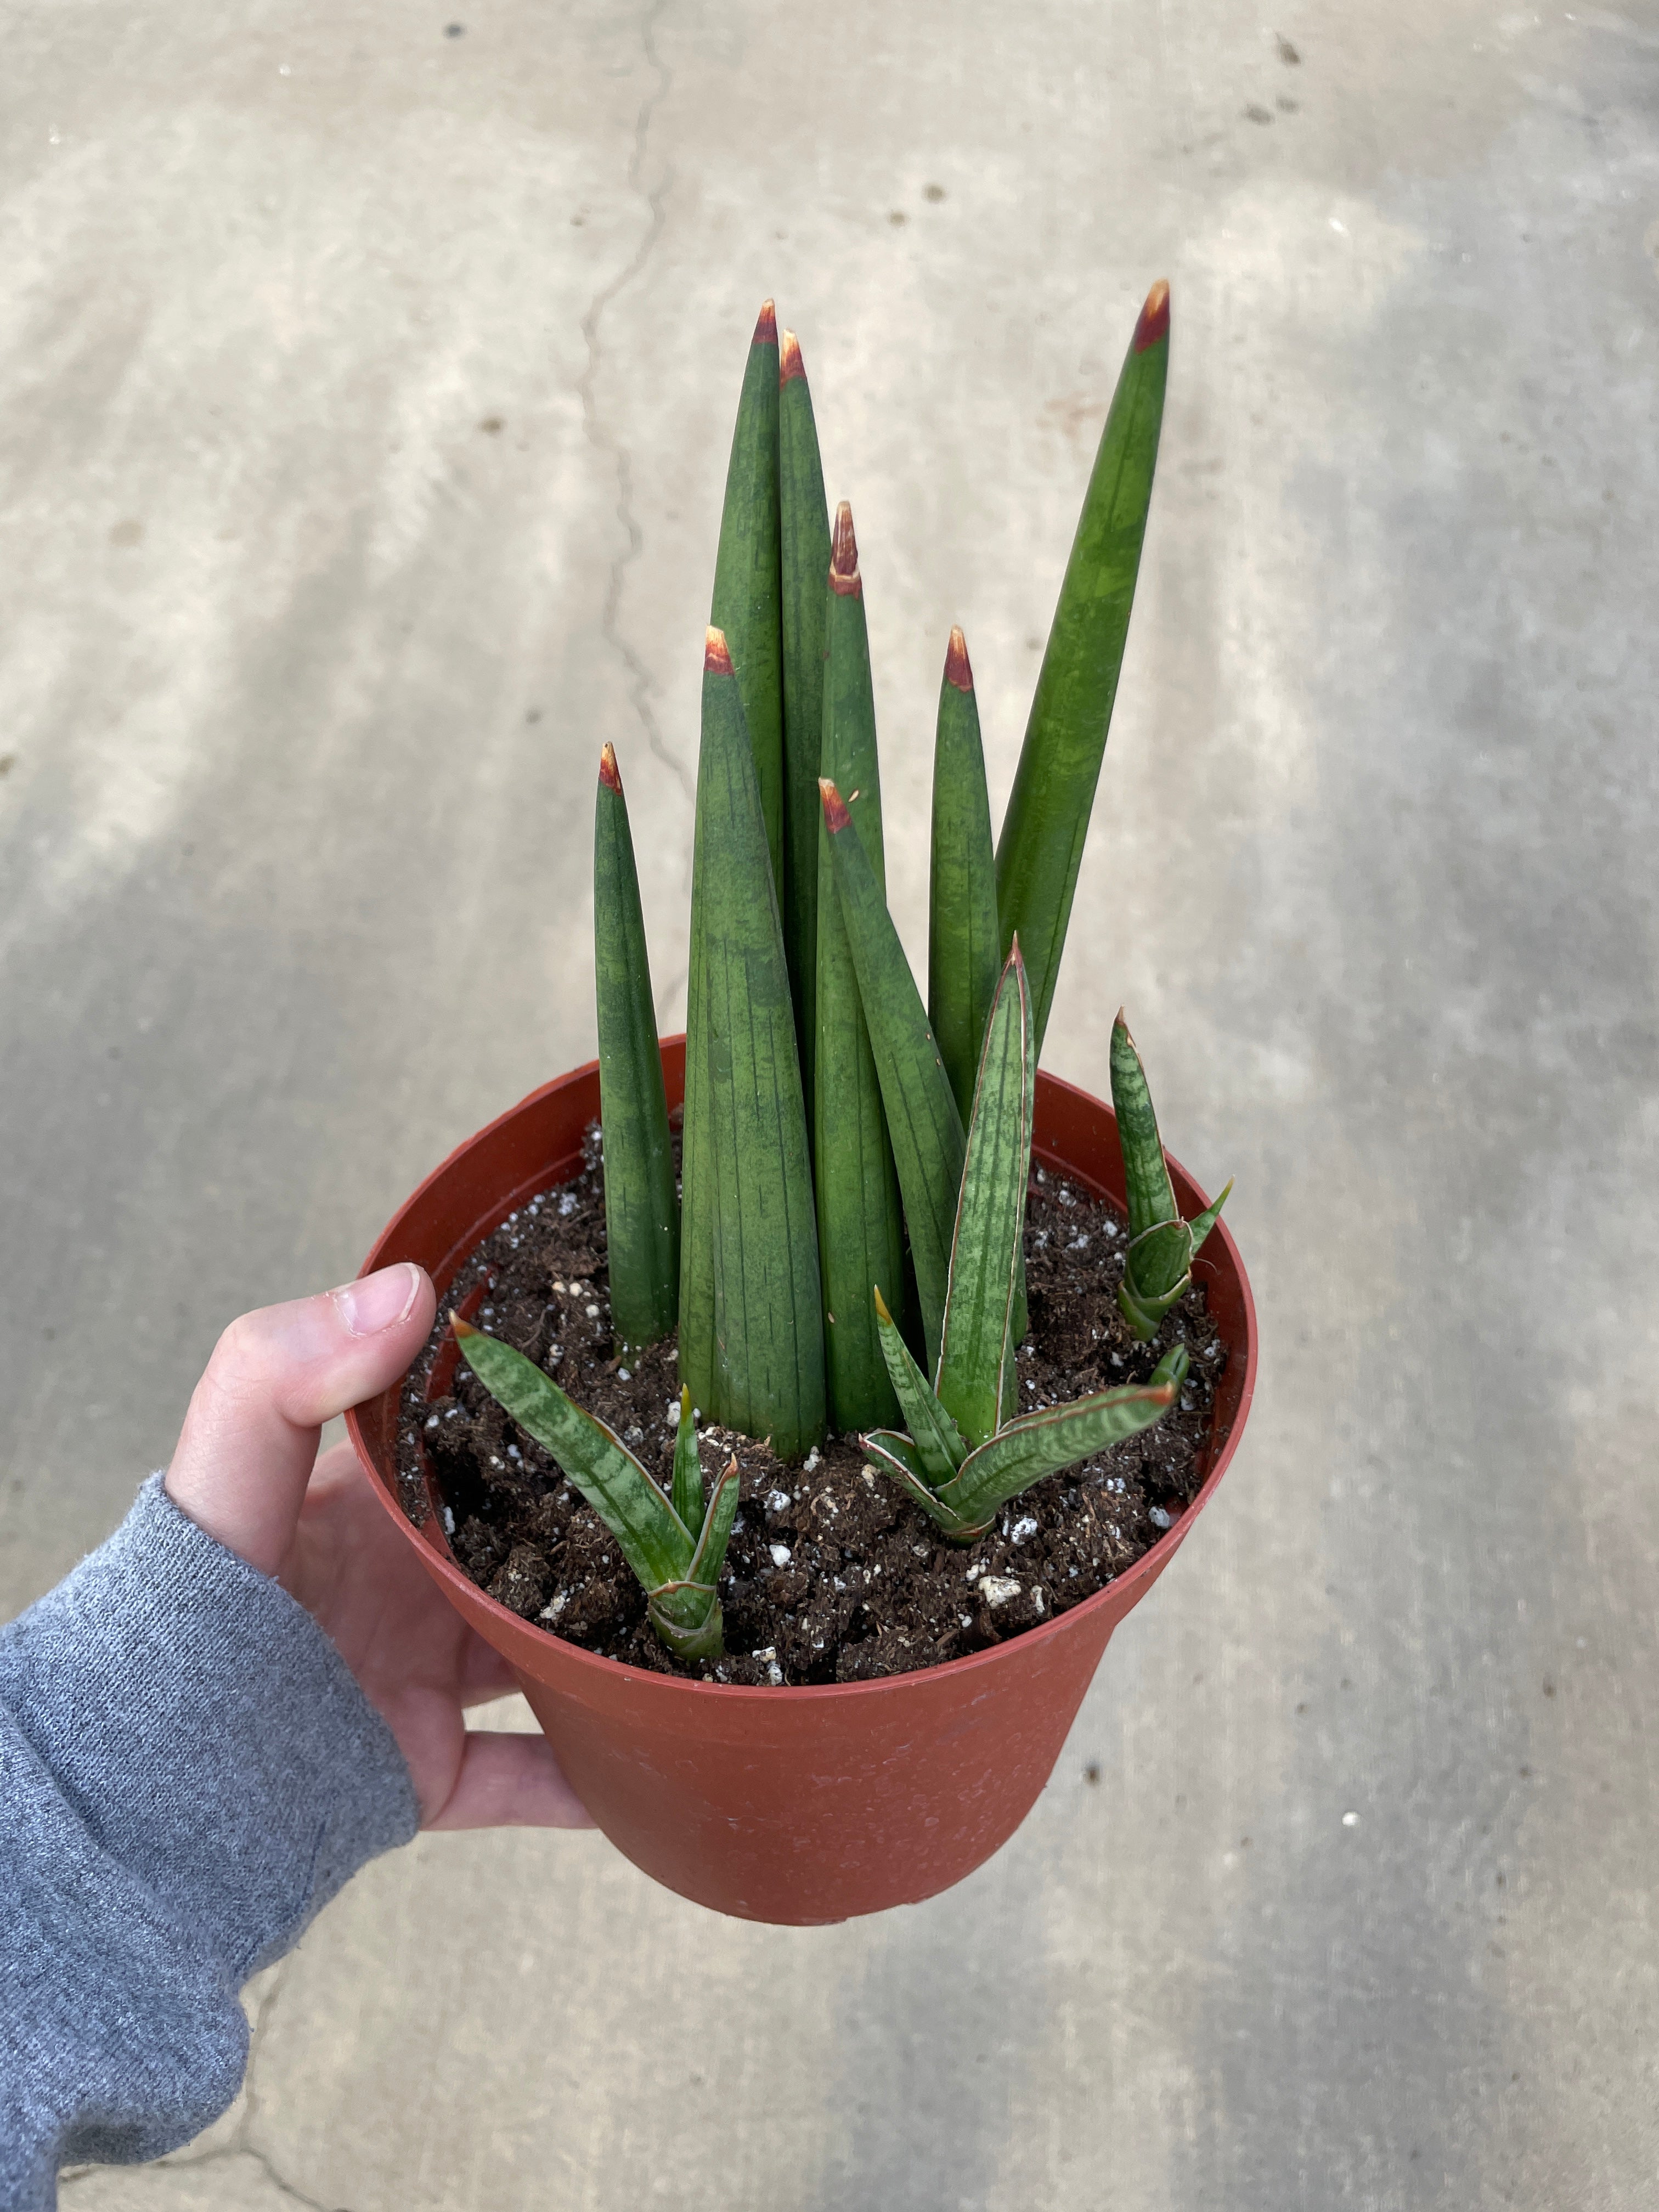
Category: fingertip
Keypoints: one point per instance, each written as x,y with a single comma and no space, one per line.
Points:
385,1299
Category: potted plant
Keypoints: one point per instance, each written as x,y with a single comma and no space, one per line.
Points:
667,1482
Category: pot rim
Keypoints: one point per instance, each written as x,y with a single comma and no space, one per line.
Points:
1148,1566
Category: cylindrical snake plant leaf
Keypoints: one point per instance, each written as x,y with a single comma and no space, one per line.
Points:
965,946
696,1329
654,1539
641,1206
1047,817
1157,1265
922,1120
978,1346
803,529
685,1492
767,1354
861,1226
747,605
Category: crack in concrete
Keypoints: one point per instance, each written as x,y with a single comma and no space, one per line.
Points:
241,2139
639,675
278,2181
68,2182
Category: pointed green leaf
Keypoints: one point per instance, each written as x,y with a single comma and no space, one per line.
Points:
1045,1442
939,1445
653,1538
922,1121
977,1349
1151,1195
1202,1224
697,1330
964,947
860,1227
641,1206
767,1377
747,606
710,1555
1048,816
1157,1265
894,1455
803,526
686,1494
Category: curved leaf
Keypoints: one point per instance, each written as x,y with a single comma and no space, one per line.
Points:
653,1538
1045,1442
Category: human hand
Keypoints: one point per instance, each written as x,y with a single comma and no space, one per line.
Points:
247,1470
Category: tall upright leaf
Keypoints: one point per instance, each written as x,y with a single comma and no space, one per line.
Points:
641,1206
922,1120
804,533
964,947
1048,816
747,605
697,1330
767,1360
978,1353
860,1228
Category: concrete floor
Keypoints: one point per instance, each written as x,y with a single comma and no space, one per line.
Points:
364,401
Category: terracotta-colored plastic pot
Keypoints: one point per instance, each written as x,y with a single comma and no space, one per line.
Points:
810,1805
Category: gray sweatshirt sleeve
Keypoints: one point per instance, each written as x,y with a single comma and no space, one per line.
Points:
188,1773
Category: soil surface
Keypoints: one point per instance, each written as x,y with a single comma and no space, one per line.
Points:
832,1575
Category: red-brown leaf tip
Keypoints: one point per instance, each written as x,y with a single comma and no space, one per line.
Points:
790,364
844,577
463,1327
835,816
956,669
766,329
716,654
1154,322
608,772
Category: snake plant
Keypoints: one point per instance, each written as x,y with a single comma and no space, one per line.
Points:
851,1205
968,1451
676,1544
1158,1265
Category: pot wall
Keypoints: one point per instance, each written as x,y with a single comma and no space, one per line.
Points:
809,1805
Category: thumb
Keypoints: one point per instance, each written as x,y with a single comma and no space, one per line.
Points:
250,1437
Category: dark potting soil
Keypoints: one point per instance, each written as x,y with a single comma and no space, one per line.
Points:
832,1575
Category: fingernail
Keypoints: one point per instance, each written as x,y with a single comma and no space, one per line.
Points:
380,1300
